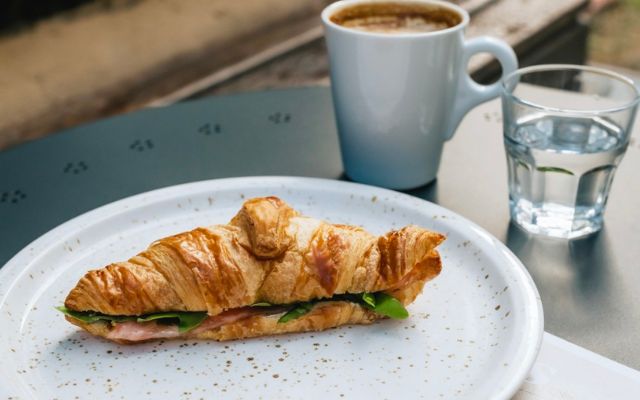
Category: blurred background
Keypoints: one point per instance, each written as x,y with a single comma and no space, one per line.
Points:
67,62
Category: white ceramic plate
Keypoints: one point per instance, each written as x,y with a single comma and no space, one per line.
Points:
474,332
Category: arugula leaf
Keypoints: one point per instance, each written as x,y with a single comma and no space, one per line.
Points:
379,302
91,317
261,304
186,320
389,306
299,310
369,299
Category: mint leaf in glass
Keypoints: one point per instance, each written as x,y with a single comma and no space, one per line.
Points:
522,164
555,169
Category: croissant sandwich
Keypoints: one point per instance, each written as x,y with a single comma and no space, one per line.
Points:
269,271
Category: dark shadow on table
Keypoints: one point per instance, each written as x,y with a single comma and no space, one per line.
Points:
427,192
574,277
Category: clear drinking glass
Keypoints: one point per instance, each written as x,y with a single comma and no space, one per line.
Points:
566,129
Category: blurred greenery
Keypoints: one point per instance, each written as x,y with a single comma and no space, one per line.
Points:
615,37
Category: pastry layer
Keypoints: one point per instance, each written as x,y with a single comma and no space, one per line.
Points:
249,322
267,253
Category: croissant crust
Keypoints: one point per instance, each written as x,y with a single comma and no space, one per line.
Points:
323,316
267,253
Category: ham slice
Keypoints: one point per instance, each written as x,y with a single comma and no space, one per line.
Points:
227,317
139,331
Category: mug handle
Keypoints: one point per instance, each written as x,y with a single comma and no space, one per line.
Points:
470,93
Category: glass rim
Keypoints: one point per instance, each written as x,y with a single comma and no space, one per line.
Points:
569,67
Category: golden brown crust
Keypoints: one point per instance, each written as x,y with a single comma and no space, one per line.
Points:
265,221
413,283
323,316
268,252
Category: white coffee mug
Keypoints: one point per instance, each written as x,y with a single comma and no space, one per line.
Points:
399,96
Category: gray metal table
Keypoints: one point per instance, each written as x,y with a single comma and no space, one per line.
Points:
589,287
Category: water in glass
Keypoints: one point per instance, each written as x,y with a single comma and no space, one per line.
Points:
560,170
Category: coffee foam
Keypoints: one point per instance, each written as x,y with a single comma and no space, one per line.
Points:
397,17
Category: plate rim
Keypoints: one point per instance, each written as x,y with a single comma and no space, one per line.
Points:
531,296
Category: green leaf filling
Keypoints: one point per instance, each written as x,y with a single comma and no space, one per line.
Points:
89,317
379,302
390,306
368,298
185,320
297,311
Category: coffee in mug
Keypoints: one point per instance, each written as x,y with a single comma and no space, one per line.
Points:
400,84
395,17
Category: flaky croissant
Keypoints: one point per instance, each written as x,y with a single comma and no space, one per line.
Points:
268,253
